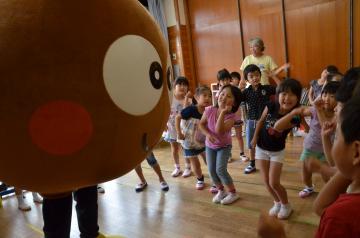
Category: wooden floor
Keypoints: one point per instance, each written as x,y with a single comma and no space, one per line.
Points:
183,212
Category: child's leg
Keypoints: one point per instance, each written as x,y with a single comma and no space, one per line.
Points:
238,131
250,129
195,163
175,154
211,163
274,176
306,174
203,156
155,165
323,168
140,174
223,174
264,166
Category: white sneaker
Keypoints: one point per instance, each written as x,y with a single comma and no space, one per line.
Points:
176,172
285,211
37,198
187,172
221,194
200,185
275,209
164,186
230,198
22,205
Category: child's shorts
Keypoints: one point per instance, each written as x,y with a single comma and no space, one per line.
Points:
313,154
273,156
193,152
250,130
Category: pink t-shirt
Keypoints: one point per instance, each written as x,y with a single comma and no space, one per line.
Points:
222,140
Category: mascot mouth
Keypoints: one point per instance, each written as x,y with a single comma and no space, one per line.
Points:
144,144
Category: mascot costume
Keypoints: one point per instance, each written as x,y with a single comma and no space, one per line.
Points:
85,88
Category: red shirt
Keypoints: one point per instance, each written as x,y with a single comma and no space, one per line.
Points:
341,219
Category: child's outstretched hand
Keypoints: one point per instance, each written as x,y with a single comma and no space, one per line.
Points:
270,227
328,128
253,142
299,111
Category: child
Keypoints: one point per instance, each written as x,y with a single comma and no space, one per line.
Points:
341,218
22,205
255,97
317,85
235,81
271,143
180,100
313,148
193,141
156,167
216,124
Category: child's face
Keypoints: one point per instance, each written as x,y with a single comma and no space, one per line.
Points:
235,81
324,74
254,78
287,100
329,101
342,153
224,82
180,90
204,99
226,98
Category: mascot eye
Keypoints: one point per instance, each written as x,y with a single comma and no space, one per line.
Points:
170,79
133,75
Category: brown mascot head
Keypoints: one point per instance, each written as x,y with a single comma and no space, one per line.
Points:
84,91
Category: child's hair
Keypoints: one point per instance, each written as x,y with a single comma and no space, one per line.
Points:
181,80
330,87
223,74
235,75
257,41
348,85
250,69
350,117
200,90
332,69
290,84
236,92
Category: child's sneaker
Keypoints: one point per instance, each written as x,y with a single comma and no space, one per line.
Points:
275,209
200,185
230,198
100,189
22,205
244,158
213,189
164,186
140,187
250,169
306,192
285,211
37,198
219,196
176,172
187,172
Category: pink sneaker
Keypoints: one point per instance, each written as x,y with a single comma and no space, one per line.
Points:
213,189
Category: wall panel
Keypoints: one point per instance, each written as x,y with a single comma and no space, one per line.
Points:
318,35
356,33
215,33
263,18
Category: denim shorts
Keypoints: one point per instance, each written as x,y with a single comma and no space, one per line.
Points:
250,130
193,152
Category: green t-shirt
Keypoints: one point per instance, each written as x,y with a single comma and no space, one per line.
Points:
264,62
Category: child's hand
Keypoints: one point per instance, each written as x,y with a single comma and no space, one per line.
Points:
189,94
180,136
270,227
328,128
318,103
227,109
212,139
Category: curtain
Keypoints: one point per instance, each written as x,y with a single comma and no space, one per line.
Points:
156,9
